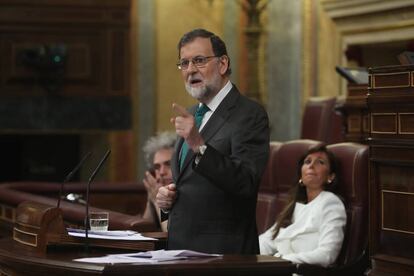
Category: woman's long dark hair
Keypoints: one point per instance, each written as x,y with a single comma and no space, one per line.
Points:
298,192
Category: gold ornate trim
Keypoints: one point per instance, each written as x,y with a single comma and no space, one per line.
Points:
16,232
28,225
340,9
412,78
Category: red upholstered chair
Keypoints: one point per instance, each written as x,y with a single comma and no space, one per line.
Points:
353,187
321,122
278,177
267,198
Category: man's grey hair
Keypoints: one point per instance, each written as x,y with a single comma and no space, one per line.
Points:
163,140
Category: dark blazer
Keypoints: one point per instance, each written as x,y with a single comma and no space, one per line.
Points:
215,209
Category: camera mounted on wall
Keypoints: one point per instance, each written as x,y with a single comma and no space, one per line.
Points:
48,62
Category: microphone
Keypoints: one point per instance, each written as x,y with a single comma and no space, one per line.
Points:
91,178
70,175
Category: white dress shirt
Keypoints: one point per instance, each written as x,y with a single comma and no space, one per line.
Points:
215,102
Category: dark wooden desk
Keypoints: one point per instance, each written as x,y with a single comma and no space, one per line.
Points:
16,260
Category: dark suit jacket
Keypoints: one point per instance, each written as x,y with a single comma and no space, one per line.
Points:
215,209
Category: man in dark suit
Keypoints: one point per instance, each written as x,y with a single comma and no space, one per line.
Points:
219,158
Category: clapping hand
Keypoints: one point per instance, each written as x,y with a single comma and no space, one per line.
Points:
151,185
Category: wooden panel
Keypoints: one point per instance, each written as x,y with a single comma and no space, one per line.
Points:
412,78
365,123
20,261
393,155
406,123
354,111
396,178
385,123
7,213
27,14
118,62
398,211
77,64
392,219
93,33
354,123
357,91
69,61
388,265
391,80
68,12
390,105
83,72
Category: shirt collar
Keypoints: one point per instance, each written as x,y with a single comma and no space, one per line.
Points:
215,102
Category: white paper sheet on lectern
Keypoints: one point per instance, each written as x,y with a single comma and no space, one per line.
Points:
110,235
149,257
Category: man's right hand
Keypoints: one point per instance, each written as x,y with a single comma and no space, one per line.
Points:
185,127
166,196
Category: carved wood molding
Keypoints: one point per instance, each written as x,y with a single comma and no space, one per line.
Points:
339,9
361,22
362,16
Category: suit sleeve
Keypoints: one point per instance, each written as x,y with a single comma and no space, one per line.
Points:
239,171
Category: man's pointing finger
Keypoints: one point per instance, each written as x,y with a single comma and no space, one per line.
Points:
180,110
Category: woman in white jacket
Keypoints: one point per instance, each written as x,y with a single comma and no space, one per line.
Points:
311,227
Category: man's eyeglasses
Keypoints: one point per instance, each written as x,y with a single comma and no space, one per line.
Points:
198,61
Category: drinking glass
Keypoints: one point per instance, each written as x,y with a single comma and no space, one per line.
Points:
99,221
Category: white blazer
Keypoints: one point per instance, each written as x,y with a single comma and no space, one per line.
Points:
315,235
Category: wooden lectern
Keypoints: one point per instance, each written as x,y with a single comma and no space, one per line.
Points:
39,225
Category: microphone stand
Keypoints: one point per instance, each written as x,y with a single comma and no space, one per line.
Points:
86,222
70,175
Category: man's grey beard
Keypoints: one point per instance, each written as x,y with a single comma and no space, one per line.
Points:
198,93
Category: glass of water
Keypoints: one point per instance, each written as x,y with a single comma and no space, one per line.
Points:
99,221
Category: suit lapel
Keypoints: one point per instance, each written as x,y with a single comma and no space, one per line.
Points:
219,117
176,160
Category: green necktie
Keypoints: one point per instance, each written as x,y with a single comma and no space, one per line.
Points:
198,116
